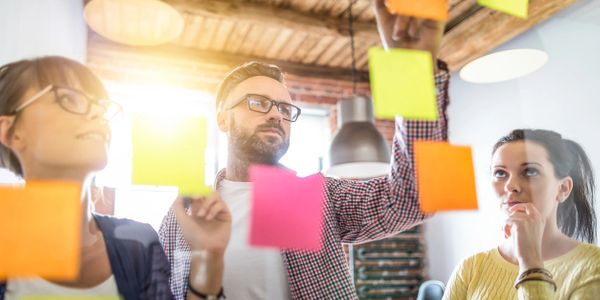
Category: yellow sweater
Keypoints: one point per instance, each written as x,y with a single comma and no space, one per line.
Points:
487,275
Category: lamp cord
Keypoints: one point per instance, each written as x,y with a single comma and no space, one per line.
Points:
352,48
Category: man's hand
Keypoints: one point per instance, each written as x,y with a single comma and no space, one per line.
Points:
398,31
207,223
206,226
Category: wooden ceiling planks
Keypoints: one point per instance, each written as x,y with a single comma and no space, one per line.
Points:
251,40
292,46
307,45
238,34
324,43
223,31
265,42
189,35
314,33
362,55
338,45
207,30
280,41
186,67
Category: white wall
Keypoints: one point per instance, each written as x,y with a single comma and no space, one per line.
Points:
31,28
563,96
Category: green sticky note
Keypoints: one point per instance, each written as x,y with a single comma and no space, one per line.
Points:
516,8
169,151
402,83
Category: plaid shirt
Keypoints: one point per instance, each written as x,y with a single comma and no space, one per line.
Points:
354,212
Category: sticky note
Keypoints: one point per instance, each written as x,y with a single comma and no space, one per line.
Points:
402,83
516,8
445,176
426,9
40,230
287,211
169,151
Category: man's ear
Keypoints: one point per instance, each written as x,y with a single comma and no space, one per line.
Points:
222,121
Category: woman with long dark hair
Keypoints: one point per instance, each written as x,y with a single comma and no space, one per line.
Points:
546,186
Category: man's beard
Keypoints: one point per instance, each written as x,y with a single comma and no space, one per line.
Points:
251,147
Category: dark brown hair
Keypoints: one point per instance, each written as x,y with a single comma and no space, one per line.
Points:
17,78
575,217
243,72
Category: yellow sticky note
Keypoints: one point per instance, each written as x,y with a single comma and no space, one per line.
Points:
445,176
427,9
516,8
40,230
169,151
402,83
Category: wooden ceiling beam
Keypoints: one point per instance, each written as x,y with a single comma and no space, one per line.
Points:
473,31
487,29
116,61
460,11
268,15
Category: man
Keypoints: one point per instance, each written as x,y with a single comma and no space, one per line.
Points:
255,110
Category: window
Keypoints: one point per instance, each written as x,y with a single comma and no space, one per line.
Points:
309,141
145,203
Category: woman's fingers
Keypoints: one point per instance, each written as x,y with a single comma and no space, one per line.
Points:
527,208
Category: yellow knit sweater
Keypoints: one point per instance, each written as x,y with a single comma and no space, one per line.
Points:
487,275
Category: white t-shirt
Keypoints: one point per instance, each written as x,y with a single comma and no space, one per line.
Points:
250,273
16,289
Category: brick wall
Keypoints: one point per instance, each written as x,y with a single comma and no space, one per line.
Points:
326,93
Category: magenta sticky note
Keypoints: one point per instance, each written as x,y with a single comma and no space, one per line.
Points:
287,211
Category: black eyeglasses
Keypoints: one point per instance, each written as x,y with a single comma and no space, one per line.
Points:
75,101
262,104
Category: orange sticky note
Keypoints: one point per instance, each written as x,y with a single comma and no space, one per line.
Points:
426,9
445,176
40,230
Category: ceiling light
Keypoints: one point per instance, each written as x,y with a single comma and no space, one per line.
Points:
503,65
134,22
358,150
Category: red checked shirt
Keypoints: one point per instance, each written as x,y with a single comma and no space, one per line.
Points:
354,212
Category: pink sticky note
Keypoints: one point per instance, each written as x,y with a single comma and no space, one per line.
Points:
287,211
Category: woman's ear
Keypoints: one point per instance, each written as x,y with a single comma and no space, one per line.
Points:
222,121
10,135
564,189
6,123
